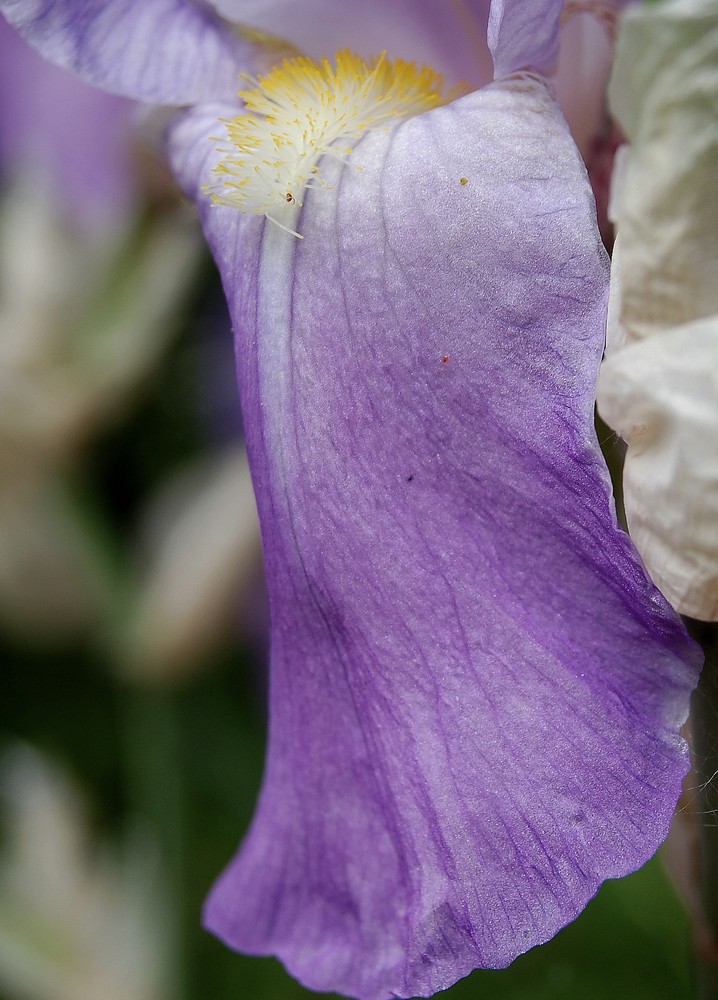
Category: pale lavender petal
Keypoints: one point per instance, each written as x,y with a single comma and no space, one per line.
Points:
81,157
449,35
581,77
476,692
524,35
163,51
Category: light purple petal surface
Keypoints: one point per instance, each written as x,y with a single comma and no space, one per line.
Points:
83,156
449,35
524,35
475,692
163,51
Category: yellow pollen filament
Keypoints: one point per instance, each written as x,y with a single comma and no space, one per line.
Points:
303,110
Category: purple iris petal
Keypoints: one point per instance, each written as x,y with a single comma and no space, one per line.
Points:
164,51
82,155
524,35
476,691
450,35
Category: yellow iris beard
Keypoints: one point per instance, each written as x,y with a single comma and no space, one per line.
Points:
303,110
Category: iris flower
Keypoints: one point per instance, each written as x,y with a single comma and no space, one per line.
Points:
476,691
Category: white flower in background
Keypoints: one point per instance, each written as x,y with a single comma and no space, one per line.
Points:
75,923
89,299
202,560
82,323
659,383
92,291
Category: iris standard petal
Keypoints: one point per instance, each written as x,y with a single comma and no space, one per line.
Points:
524,35
162,51
476,691
581,76
82,157
450,35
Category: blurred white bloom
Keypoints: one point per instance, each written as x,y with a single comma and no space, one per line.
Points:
91,290
202,558
75,924
659,384
82,322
